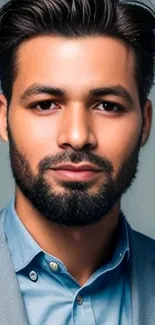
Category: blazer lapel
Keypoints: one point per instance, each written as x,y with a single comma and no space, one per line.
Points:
12,310
142,278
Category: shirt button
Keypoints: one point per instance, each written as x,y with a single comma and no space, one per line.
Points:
54,266
33,276
79,300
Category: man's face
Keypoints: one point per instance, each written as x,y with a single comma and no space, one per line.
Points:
94,118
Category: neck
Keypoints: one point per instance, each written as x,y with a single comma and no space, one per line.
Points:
82,250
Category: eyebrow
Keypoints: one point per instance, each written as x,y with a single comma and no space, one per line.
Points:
36,89
118,91
115,90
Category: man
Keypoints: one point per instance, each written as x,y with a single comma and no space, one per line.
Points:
75,76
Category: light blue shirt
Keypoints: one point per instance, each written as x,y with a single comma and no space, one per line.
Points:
53,297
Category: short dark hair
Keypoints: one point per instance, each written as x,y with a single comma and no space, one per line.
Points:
24,19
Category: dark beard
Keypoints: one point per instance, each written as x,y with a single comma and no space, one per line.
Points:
75,207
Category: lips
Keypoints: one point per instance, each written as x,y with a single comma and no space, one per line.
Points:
83,172
77,168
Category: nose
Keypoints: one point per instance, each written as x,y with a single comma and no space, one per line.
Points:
76,130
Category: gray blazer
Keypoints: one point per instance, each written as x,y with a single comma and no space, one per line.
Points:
142,277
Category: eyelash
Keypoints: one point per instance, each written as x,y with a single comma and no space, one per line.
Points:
110,104
120,108
34,105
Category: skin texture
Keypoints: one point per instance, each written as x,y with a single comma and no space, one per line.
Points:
78,121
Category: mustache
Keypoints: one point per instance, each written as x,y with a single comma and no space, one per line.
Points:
50,162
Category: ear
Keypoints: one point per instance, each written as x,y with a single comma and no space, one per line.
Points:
147,121
3,118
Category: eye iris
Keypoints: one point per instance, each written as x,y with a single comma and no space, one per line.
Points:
45,105
110,107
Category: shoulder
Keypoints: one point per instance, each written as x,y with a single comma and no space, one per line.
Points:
141,243
143,238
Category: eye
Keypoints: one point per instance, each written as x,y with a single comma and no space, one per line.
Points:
110,107
46,105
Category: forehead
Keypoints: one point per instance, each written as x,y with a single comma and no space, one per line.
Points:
75,64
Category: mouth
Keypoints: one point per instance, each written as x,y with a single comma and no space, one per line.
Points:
76,172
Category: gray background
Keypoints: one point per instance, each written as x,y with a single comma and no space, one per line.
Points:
138,204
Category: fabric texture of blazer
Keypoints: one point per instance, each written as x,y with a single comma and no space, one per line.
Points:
142,279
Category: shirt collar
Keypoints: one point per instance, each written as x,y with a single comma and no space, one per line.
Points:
22,245
24,248
123,246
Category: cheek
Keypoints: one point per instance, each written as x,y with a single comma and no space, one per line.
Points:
118,138
35,136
